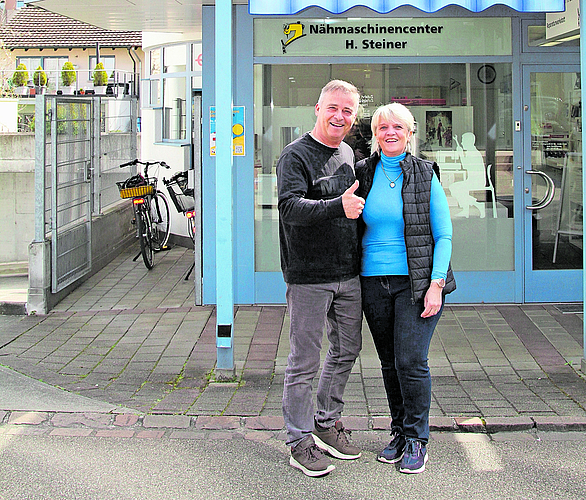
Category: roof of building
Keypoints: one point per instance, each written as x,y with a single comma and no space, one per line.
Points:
35,28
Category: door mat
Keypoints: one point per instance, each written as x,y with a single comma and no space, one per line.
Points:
570,308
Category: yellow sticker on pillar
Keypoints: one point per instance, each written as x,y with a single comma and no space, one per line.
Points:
238,130
238,135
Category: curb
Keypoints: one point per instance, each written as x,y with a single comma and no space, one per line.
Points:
156,426
12,309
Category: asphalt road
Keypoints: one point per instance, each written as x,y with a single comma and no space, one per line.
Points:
461,466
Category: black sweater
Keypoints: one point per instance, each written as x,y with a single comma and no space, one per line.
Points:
318,243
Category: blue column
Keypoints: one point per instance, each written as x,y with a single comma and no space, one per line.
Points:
224,218
583,93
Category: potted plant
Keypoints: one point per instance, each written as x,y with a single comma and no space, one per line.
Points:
68,77
20,79
100,78
40,80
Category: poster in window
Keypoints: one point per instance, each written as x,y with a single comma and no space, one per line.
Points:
438,129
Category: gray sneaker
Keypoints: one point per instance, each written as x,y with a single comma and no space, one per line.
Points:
309,459
335,441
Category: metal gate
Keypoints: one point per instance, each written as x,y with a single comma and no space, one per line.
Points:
69,127
69,173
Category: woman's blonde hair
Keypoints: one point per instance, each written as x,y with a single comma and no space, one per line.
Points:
391,112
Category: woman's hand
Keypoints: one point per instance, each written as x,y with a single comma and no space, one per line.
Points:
432,301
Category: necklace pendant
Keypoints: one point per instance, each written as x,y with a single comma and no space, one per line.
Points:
392,184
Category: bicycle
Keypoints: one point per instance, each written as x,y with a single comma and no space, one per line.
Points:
184,203
183,200
151,210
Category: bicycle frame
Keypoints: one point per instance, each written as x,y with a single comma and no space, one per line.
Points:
149,203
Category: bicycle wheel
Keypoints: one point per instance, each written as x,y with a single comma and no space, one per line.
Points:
143,221
159,211
191,225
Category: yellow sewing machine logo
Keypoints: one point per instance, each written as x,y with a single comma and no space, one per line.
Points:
293,32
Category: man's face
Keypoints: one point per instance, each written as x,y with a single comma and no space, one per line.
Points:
335,115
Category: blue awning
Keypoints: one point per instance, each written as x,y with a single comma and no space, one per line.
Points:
267,7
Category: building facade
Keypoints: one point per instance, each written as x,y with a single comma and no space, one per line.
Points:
497,106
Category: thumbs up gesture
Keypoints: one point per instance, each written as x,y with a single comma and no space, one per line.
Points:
353,205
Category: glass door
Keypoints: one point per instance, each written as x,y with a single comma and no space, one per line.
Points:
552,201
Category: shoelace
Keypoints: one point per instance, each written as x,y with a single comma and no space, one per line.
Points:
313,452
395,434
343,434
413,447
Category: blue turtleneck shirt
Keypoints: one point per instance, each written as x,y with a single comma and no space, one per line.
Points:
383,244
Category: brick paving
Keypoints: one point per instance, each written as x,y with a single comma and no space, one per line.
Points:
130,337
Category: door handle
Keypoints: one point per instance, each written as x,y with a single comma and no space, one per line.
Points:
549,194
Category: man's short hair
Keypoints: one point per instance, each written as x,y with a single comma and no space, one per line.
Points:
339,86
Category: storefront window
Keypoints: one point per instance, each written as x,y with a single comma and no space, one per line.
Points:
155,57
174,111
169,90
174,58
464,123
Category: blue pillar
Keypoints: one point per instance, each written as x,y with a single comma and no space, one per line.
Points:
224,218
583,92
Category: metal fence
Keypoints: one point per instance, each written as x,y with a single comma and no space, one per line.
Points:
79,141
120,82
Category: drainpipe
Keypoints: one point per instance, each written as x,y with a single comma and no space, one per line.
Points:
583,90
136,79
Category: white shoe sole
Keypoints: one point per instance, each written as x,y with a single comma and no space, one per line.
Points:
332,451
415,471
309,472
386,461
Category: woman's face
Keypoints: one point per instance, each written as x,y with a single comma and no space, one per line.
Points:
392,137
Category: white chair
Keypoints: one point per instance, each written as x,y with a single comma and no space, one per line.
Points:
490,188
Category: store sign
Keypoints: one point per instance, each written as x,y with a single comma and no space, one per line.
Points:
383,37
558,25
261,7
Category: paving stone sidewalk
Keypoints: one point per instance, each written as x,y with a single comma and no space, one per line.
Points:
131,338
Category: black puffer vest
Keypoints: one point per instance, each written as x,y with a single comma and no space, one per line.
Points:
417,175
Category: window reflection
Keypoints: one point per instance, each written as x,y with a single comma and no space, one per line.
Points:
467,130
174,108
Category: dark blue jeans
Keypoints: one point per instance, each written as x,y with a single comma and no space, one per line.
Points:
402,338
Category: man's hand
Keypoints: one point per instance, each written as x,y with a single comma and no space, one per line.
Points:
353,205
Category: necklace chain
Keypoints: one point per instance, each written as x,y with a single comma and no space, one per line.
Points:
391,183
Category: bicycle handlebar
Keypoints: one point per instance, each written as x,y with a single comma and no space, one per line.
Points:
174,178
136,161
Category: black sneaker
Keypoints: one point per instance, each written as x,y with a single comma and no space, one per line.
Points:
394,450
309,459
414,458
335,441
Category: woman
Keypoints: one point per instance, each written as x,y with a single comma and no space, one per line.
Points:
406,250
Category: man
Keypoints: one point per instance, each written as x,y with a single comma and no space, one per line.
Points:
320,263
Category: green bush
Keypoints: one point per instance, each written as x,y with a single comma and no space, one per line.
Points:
20,77
40,77
100,77
68,76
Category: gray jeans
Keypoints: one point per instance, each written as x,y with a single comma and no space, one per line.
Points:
311,307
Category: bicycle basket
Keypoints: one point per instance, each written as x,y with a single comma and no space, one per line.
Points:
181,179
182,200
136,185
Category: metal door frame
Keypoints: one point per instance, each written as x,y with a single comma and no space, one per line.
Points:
562,285
65,162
